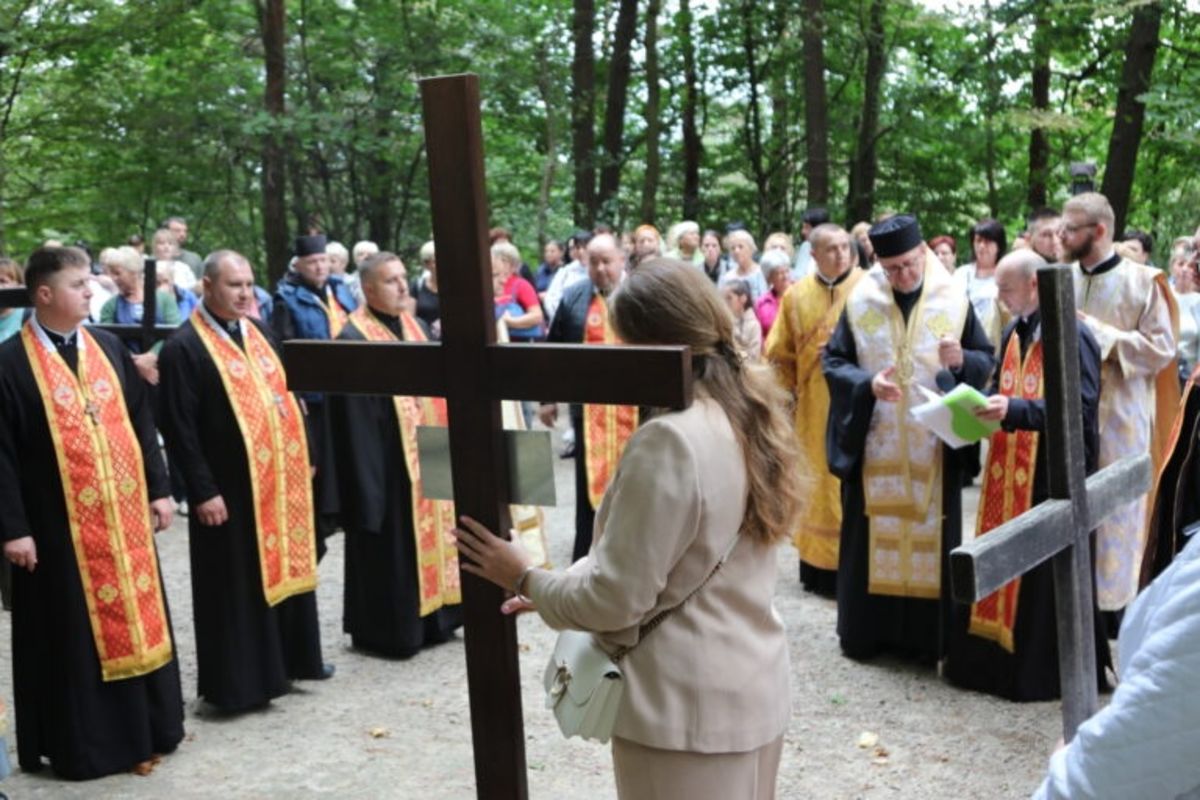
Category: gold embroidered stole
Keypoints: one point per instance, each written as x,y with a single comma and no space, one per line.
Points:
276,445
606,429
1008,487
902,462
812,310
334,312
433,520
108,506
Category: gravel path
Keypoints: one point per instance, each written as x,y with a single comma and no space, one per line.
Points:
399,729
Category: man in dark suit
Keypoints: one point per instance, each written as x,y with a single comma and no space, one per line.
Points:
606,263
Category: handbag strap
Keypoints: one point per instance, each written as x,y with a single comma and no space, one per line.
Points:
658,618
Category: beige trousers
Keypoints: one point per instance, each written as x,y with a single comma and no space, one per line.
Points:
647,773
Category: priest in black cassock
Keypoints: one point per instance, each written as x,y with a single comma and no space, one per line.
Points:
402,588
239,439
906,326
82,489
1007,644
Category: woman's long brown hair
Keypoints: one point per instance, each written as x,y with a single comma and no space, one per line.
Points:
669,302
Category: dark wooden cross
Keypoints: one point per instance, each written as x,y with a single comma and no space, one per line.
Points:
474,373
1060,527
147,332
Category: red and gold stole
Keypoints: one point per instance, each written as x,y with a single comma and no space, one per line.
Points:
433,520
108,507
606,429
334,311
273,435
1008,487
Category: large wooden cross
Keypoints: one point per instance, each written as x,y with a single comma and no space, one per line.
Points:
1060,527
474,373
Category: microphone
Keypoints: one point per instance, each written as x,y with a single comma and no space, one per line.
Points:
945,381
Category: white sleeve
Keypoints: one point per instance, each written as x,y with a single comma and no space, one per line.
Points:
1143,743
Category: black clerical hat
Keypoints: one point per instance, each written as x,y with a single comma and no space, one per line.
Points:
310,245
895,236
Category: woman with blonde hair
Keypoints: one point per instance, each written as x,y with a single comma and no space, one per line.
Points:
705,702
741,255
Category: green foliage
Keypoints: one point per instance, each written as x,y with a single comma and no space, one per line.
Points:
117,113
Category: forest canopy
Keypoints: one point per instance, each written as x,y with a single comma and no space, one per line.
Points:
115,114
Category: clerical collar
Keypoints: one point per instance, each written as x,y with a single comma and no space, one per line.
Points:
831,283
51,339
383,316
389,321
224,327
1104,266
228,325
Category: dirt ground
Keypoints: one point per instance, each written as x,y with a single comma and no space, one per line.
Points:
400,729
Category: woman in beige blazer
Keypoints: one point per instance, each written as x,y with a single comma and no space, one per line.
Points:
706,698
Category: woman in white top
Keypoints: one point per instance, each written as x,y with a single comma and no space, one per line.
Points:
741,253
706,694
989,243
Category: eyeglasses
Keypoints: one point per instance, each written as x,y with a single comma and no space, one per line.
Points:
1067,229
909,265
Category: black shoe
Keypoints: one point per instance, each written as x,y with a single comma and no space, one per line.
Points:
327,671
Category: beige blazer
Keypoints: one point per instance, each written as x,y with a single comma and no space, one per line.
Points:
713,678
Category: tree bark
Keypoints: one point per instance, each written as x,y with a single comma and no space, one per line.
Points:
692,152
550,161
861,197
1039,138
272,21
816,105
753,131
614,107
991,104
1140,52
583,110
652,111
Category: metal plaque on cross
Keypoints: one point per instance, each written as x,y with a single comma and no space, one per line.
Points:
474,374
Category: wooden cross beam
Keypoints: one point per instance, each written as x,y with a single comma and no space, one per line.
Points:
148,332
1059,528
474,373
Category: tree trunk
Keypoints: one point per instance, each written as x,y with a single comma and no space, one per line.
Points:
1140,52
272,20
653,125
1039,138
692,153
614,107
991,105
816,106
861,200
780,165
550,161
583,110
752,132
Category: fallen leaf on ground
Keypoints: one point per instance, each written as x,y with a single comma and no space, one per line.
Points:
868,739
379,732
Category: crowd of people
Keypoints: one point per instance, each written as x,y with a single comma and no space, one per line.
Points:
832,335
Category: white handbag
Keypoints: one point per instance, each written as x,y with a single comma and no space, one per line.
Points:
583,686
584,683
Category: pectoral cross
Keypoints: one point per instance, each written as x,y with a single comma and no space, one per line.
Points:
93,411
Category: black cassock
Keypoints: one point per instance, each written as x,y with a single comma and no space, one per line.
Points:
1175,501
869,623
247,651
1030,672
85,726
382,602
